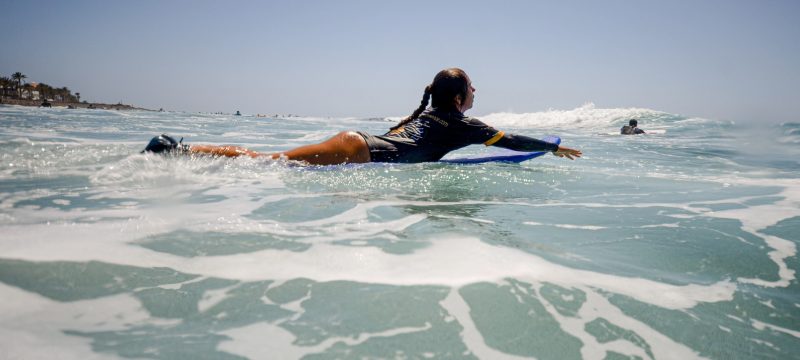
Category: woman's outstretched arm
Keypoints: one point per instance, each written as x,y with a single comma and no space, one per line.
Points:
524,143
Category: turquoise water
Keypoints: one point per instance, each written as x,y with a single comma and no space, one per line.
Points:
679,244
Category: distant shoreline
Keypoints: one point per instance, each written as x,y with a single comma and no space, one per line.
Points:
77,105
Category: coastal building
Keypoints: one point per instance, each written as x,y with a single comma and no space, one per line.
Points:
30,94
30,91
11,88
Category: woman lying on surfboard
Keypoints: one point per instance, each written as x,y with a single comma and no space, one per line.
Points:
427,135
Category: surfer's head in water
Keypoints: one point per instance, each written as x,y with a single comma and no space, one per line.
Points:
165,144
632,128
451,90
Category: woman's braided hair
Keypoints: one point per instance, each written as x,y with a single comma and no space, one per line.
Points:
446,86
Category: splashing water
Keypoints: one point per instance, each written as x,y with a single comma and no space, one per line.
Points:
678,244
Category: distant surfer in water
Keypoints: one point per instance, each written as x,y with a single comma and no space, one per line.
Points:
426,135
631,129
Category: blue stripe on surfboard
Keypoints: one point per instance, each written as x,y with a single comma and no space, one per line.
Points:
503,155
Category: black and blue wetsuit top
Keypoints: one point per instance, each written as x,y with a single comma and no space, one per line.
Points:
429,137
435,133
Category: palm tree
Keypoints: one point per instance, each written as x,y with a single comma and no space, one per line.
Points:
65,93
5,83
19,76
78,96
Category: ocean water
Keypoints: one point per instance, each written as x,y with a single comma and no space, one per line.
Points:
679,244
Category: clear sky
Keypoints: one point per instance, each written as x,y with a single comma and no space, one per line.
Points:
730,59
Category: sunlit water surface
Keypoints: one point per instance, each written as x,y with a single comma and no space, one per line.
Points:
678,244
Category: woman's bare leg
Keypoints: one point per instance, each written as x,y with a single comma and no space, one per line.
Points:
344,147
229,151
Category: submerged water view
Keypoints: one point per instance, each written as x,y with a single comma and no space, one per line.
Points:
677,244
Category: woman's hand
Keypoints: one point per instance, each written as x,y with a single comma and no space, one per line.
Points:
569,153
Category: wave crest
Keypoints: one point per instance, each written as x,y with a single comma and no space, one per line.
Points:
586,117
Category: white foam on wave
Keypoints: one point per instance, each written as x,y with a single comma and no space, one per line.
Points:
754,219
31,326
248,341
567,226
450,260
351,224
142,172
584,117
458,308
759,325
